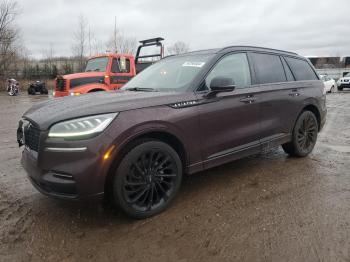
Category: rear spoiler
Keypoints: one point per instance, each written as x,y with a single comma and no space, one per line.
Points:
150,42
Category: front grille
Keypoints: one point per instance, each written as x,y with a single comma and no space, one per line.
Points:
346,80
61,84
85,80
32,137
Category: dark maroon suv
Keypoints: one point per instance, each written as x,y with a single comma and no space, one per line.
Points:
184,114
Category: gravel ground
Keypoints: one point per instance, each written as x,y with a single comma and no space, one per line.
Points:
268,207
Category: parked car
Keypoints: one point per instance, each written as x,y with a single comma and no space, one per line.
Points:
329,84
344,82
182,115
37,87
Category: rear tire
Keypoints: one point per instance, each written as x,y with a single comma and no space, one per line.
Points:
147,179
304,135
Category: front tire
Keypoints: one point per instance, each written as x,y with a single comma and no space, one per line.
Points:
304,135
147,179
31,91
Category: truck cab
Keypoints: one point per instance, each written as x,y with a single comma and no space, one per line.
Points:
108,71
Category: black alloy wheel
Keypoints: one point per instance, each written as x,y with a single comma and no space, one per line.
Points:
147,179
304,135
307,133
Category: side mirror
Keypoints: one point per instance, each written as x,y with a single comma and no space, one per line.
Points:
122,64
221,84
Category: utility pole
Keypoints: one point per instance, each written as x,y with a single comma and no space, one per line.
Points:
89,40
115,35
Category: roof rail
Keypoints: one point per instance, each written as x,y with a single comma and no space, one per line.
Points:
257,47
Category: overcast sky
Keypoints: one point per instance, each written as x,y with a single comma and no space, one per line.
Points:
308,27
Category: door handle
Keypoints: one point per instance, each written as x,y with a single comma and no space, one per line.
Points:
294,93
248,99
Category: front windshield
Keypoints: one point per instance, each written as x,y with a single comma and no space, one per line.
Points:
171,74
347,75
98,64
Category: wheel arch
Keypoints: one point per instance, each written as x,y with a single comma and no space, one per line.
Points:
161,135
88,88
96,90
312,108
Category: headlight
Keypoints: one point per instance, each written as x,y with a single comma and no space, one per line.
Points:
82,127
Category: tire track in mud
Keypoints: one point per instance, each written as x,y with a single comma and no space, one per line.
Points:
15,218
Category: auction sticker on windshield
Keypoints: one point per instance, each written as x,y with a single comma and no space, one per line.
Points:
194,64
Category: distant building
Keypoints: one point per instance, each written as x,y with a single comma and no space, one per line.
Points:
335,67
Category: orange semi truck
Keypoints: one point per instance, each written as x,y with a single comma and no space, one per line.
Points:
108,71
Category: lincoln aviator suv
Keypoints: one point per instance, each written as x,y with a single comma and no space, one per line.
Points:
182,115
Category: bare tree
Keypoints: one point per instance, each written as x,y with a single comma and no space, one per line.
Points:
8,37
49,56
178,47
120,43
8,12
95,46
80,38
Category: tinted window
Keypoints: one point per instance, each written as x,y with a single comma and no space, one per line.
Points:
268,68
289,74
171,74
116,66
301,69
235,66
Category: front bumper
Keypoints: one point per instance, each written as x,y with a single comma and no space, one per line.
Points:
60,93
49,183
344,84
68,175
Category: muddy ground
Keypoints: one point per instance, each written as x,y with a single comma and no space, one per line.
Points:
268,207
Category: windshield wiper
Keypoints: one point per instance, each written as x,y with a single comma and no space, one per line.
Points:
145,89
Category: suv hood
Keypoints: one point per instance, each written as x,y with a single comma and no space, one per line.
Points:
47,113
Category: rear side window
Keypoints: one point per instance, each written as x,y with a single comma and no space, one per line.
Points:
268,68
301,69
116,66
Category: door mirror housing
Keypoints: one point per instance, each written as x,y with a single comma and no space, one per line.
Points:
122,64
221,84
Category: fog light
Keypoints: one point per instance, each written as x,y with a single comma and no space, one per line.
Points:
108,152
